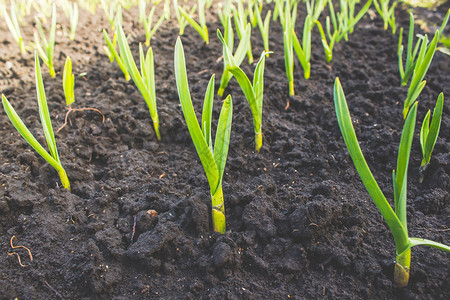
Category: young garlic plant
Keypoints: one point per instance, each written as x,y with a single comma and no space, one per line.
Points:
13,24
46,54
111,52
238,56
304,53
429,133
68,87
252,6
52,156
263,26
71,11
142,9
73,20
387,12
113,13
149,31
346,19
240,22
144,80
182,22
166,10
340,28
212,158
253,92
68,82
223,11
411,55
201,26
395,219
422,64
314,9
407,69
288,26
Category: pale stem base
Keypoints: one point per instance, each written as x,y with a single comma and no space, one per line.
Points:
64,179
156,126
258,140
401,271
218,211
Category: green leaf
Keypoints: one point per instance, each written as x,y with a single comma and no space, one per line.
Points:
203,150
425,242
114,55
435,126
222,139
68,82
201,29
26,134
402,164
424,132
144,80
207,112
43,111
420,70
345,124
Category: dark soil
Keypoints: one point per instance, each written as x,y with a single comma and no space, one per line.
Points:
300,223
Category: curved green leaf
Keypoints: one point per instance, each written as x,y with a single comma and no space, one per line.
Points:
345,124
203,150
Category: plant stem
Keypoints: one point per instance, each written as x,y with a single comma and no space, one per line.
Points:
156,126
218,211
52,72
258,140
402,265
64,179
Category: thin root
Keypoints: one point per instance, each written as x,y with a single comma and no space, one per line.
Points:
16,254
70,109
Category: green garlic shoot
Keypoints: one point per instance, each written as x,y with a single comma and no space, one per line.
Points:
279,10
144,80
418,65
263,27
253,92
13,25
182,23
68,82
52,156
395,219
166,13
238,56
304,53
240,22
46,53
212,158
411,59
387,13
142,9
149,31
113,13
73,19
327,47
111,52
201,26
345,21
251,7
429,133
224,11
422,64
314,9
288,26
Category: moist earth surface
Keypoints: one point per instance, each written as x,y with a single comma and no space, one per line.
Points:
137,222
